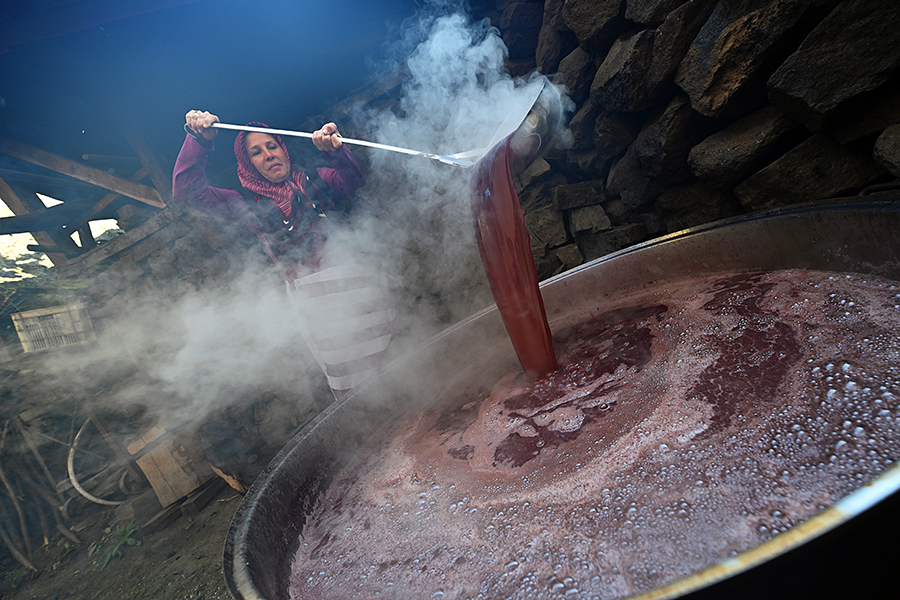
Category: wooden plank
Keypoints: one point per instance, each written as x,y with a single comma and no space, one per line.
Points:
198,499
158,176
71,168
15,204
162,519
87,238
48,250
171,470
141,443
157,479
120,243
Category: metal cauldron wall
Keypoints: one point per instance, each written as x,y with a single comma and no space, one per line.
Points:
859,235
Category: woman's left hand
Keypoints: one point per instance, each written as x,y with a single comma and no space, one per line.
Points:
327,139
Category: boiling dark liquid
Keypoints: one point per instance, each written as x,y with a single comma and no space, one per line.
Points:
688,423
506,253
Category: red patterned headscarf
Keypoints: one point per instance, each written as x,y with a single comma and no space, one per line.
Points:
280,194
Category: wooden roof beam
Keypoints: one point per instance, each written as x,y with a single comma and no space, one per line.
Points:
42,158
105,201
161,181
15,204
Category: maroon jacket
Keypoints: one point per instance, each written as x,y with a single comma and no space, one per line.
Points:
190,187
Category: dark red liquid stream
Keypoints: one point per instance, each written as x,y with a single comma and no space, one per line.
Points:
506,253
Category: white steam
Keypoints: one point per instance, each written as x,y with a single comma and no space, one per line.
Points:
418,227
413,224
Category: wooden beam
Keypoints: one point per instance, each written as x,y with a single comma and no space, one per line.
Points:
48,250
105,158
161,181
104,202
18,204
48,219
86,237
15,204
71,168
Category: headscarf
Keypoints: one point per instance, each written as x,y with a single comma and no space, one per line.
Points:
280,194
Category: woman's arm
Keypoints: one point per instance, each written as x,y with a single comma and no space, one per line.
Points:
189,183
344,176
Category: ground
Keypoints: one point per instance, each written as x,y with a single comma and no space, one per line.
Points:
178,557
183,561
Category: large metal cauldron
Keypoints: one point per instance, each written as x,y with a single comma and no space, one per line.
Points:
837,553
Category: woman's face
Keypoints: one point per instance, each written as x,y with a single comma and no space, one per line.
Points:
267,155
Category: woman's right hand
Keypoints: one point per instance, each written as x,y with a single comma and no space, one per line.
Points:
201,122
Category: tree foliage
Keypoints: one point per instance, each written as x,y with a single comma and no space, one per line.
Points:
25,270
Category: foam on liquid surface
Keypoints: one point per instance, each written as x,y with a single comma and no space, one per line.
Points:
686,424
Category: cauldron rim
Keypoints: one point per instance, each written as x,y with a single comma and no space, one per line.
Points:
240,571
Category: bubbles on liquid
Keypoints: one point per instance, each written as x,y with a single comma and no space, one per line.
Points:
829,428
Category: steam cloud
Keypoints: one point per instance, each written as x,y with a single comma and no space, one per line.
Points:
413,223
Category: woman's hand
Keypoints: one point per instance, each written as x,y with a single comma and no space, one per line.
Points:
201,122
327,139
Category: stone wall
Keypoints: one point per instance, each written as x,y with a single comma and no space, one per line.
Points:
693,111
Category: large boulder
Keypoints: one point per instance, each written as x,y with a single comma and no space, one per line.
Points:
576,72
588,219
887,149
628,182
576,195
650,12
552,46
521,44
867,115
520,24
595,245
554,14
587,163
522,15
581,126
614,132
855,49
596,23
663,144
569,257
737,50
731,155
688,205
818,168
673,38
620,81
546,227
538,192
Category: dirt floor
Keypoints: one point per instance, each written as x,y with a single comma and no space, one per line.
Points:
182,561
177,552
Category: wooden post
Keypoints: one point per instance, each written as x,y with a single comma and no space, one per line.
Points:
86,237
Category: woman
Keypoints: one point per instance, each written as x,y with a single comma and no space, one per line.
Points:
290,216
288,212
